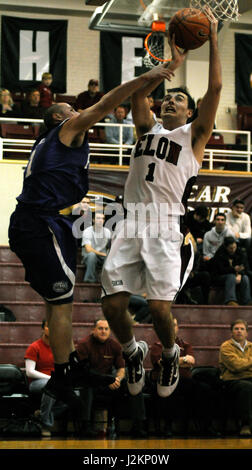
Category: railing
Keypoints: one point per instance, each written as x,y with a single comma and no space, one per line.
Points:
101,152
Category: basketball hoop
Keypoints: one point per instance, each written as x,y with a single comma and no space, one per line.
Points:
223,10
154,45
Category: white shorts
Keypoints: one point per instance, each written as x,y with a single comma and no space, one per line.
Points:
157,266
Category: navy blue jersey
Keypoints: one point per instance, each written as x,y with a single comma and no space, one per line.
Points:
56,176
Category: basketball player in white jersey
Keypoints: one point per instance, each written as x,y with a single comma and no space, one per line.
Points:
157,260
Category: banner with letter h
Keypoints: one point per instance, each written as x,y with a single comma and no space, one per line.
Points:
30,48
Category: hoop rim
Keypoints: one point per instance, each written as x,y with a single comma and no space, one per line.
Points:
159,59
142,4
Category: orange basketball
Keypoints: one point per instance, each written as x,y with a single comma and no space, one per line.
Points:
191,28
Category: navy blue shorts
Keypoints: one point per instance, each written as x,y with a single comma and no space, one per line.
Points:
45,245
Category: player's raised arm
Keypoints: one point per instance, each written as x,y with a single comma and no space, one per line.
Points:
80,123
142,116
202,127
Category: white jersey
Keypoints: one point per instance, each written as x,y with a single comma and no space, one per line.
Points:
162,171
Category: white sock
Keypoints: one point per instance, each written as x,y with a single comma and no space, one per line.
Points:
169,352
130,347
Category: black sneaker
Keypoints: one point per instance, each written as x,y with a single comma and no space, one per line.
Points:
81,373
136,372
169,374
62,390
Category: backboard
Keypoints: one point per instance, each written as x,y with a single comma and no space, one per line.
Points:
136,16
133,16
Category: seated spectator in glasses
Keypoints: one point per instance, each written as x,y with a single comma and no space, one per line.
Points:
89,97
230,269
198,224
104,355
113,133
31,107
240,224
8,108
214,238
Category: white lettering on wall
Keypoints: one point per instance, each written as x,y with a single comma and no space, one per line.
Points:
129,60
27,56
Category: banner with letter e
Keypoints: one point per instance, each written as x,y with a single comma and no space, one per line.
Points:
121,60
243,69
31,47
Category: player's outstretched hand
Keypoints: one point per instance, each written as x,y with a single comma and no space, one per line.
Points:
160,72
213,20
178,55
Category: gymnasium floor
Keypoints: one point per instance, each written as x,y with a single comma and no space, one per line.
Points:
181,443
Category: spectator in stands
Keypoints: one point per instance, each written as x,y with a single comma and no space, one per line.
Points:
198,224
46,95
105,356
39,364
190,400
129,114
152,104
235,362
214,238
83,208
230,269
112,133
240,224
81,214
8,108
95,242
31,107
89,97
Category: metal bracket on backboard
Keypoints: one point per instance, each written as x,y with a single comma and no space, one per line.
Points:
96,3
100,23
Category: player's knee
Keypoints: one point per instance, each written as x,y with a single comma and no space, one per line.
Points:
159,309
112,306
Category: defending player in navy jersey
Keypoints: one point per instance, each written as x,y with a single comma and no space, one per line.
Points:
157,260
56,177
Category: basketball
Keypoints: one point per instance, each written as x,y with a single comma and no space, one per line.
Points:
191,28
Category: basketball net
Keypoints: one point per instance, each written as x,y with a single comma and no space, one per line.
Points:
223,10
154,43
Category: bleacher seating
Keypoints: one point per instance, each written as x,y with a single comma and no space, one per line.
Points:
204,326
19,131
244,120
61,98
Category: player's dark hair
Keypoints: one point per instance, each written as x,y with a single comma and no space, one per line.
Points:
191,102
49,121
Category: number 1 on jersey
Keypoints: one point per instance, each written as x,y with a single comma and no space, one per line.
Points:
150,175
